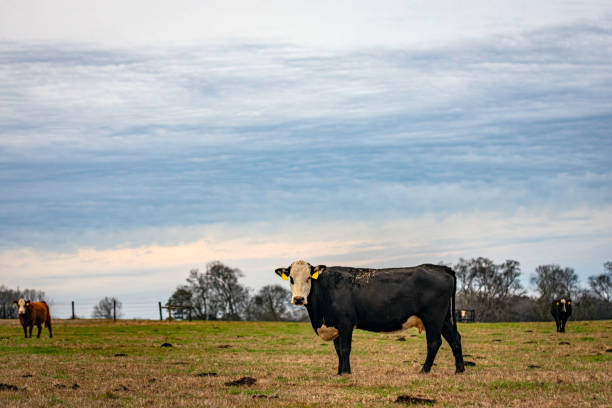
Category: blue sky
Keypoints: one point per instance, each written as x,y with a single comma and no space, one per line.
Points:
139,141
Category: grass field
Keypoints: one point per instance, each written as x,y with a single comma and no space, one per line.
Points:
99,363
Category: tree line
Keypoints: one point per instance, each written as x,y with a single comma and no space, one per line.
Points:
217,294
493,290
496,293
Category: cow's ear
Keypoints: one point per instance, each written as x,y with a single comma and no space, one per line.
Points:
16,303
314,272
27,302
283,273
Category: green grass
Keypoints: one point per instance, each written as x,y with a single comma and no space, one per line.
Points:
123,364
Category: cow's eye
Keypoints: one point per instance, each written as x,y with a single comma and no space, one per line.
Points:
291,280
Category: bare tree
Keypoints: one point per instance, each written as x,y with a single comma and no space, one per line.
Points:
232,297
271,303
488,287
181,297
601,285
104,308
217,294
205,305
553,281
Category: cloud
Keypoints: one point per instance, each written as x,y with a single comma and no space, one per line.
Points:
573,238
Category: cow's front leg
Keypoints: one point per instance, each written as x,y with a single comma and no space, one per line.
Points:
38,326
343,349
25,331
30,331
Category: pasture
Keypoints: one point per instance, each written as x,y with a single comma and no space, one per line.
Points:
115,364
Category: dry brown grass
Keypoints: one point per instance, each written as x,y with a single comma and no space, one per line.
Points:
122,364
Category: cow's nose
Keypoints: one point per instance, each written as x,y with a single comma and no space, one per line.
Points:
298,300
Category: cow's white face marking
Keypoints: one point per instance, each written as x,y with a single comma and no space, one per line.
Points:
327,333
21,306
563,304
300,281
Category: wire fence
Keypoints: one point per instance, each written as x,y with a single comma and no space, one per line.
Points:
83,309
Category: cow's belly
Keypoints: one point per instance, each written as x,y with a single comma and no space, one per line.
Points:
390,326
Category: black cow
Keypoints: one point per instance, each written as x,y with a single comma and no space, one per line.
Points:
561,310
339,299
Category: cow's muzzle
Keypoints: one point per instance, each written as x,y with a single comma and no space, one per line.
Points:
298,300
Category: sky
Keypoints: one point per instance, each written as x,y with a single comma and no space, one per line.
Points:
142,139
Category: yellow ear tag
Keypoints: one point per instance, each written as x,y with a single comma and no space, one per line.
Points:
557,303
315,275
284,276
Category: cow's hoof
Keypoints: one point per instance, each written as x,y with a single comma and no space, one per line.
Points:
459,370
424,371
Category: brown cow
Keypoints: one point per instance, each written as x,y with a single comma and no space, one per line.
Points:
33,313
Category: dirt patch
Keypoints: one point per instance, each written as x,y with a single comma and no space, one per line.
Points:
224,346
242,381
121,388
210,374
410,400
8,387
263,396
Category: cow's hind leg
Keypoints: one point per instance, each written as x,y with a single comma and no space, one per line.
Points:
343,349
39,327
48,324
30,330
452,336
434,341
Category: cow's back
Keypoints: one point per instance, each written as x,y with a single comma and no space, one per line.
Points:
384,299
40,312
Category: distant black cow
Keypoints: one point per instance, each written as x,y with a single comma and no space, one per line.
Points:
33,314
339,299
561,310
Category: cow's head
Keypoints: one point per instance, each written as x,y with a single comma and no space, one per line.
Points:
564,305
300,275
22,306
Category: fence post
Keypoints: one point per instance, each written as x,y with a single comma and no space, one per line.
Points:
73,316
160,311
114,310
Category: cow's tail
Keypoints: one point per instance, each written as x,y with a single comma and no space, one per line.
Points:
47,321
453,315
